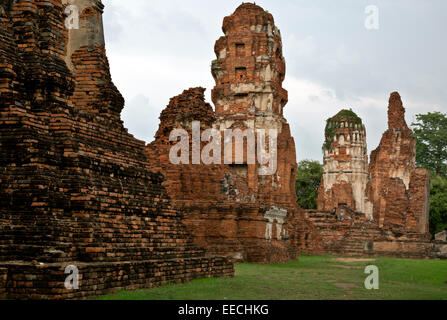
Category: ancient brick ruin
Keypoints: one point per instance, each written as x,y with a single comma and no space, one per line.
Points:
78,189
346,164
233,209
399,192
236,211
381,209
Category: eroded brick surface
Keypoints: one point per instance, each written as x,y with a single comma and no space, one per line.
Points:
398,191
76,188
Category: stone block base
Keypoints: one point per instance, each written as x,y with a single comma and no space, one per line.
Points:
274,252
26,280
402,249
439,250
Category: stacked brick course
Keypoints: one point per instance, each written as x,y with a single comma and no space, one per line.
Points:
440,248
77,189
3,279
350,233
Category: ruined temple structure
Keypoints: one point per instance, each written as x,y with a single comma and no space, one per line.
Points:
398,190
440,247
76,188
234,209
346,164
249,72
382,208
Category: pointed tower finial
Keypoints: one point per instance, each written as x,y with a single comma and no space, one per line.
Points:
396,112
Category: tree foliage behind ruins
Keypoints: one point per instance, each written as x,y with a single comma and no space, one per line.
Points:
430,131
308,180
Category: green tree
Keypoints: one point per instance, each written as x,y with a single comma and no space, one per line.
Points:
430,132
438,204
308,180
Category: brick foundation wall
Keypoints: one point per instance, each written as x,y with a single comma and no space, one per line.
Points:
47,281
354,235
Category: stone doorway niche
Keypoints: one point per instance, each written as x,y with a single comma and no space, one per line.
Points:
240,49
241,74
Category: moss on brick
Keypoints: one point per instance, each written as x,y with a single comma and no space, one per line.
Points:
334,123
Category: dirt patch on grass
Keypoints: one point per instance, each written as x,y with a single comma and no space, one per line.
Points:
352,260
346,267
346,287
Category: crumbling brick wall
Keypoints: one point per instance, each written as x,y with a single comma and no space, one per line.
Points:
76,188
349,233
220,209
440,247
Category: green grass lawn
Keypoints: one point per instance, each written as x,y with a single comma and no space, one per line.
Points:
311,278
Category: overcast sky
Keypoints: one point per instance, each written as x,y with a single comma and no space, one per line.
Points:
157,49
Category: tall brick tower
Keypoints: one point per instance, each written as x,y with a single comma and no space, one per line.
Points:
400,191
249,71
345,164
